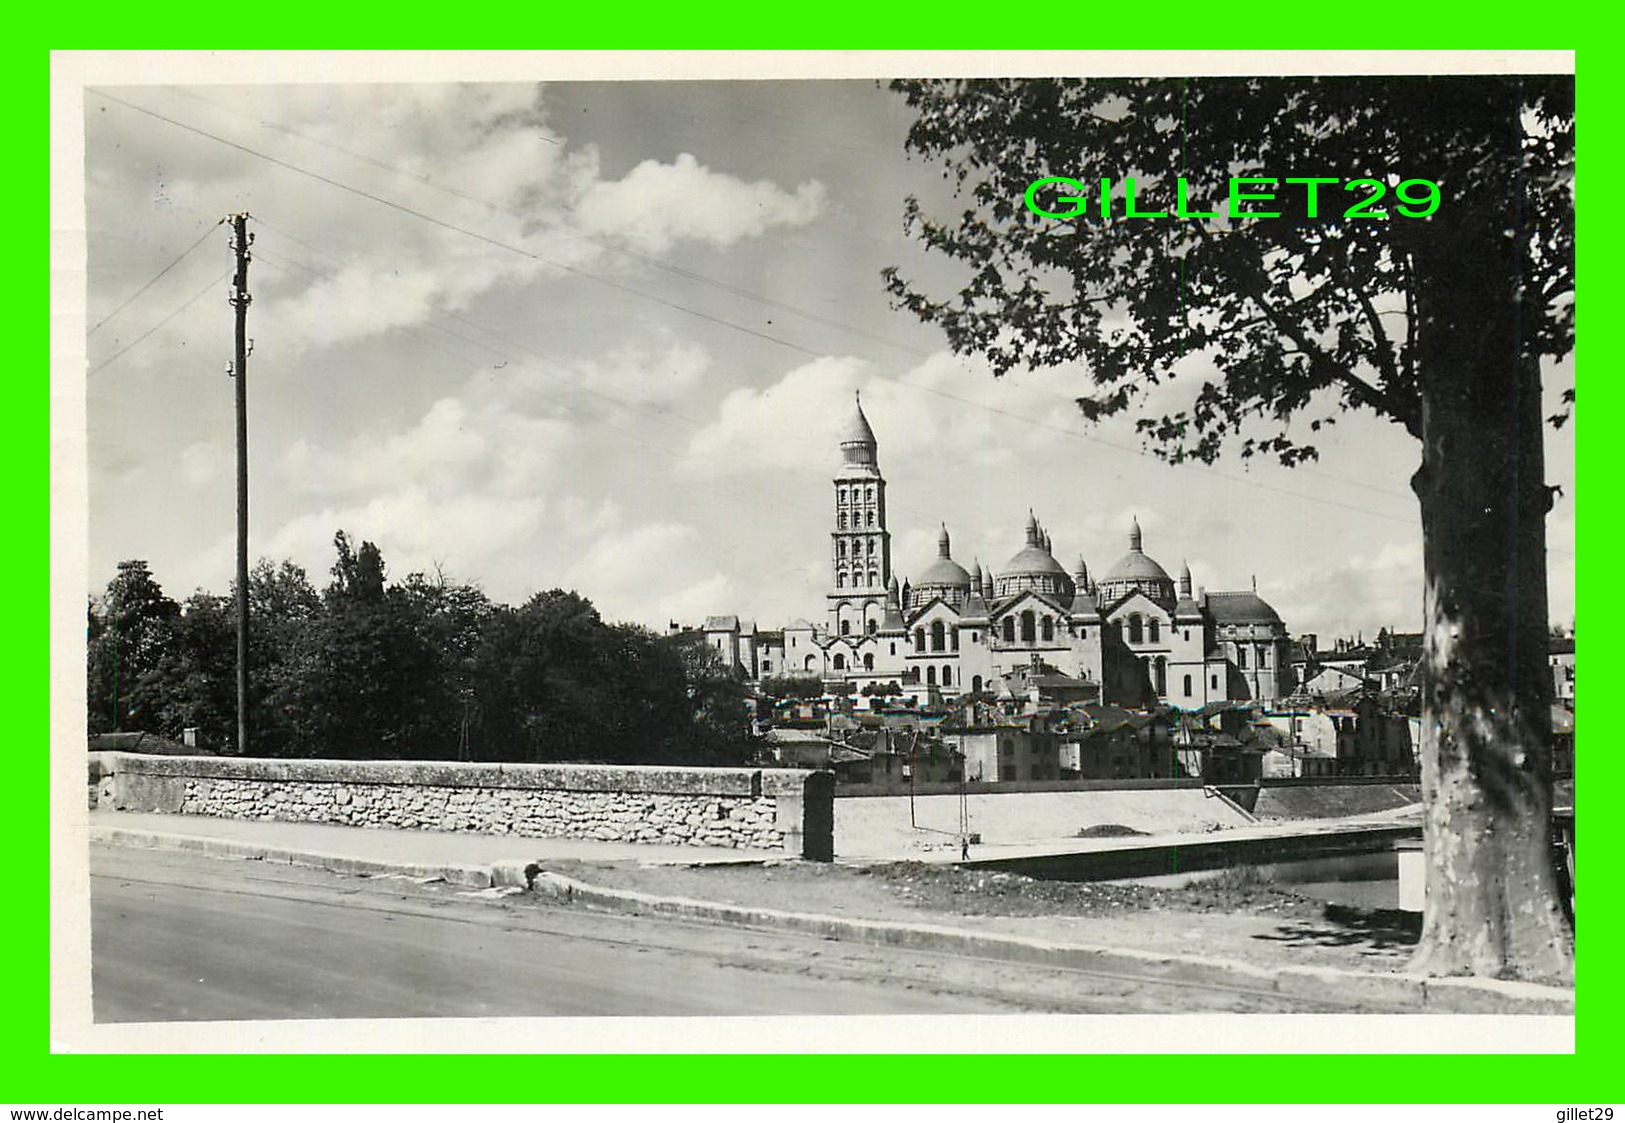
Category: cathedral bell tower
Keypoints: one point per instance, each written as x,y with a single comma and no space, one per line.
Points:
860,546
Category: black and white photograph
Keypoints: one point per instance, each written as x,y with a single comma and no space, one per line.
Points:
601,542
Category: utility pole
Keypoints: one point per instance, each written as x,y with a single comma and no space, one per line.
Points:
241,239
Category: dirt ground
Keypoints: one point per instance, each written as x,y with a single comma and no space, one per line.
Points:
1234,917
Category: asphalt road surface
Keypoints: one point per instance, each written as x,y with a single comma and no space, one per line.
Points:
181,937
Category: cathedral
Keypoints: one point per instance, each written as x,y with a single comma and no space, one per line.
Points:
1135,637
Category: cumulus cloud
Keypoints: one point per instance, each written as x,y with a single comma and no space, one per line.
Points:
1360,593
942,403
656,205
406,199
455,448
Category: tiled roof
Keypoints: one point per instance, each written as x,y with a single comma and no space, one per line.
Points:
1245,607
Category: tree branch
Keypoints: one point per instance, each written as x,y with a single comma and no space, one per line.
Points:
1319,362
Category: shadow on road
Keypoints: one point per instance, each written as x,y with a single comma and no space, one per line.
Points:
1376,929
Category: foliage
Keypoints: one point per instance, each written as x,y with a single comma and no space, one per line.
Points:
423,668
882,690
1269,317
1279,324
128,630
780,687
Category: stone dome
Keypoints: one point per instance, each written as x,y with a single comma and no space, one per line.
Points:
1033,568
1136,571
943,578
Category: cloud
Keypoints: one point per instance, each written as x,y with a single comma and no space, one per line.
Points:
1361,593
651,571
457,447
657,205
204,462
415,530
406,199
944,410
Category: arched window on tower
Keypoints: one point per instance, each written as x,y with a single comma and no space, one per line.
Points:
1159,675
874,625
840,521
871,547
1009,629
976,684
1028,635
1156,631
840,579
919,639
936,635
870,518
871,495
840,660
846,627
869,661
874,577
953,639
1135,626
1187,686
840,496
930,676
947,676
1049,629
840,547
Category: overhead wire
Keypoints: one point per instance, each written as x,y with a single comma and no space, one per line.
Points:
573,270
763,299
278,262
138,339
661,416
183,254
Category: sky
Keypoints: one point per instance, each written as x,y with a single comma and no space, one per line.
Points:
604,336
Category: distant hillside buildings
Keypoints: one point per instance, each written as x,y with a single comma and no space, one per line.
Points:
1031,673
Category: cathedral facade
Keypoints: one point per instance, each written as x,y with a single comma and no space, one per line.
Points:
1136,635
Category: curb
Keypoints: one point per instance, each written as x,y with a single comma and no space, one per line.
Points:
1378,992
474,877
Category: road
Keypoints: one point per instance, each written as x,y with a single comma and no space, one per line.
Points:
182,937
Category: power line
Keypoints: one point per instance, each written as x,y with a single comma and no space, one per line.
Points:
724,286
444,224
278,262
123,350
201,239
577,232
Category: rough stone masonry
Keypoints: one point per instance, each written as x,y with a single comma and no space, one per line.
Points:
764,809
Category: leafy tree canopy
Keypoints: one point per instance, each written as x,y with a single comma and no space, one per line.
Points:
1266,317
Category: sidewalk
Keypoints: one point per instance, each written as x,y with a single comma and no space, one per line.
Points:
472,858
1301,953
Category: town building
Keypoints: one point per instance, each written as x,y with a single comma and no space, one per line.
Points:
1136,636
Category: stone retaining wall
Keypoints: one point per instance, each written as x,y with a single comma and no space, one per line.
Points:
773,809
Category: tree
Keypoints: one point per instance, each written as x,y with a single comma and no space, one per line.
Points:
718,716
128,627
557,683
1437,323
792,686
362,678
196,674
285,609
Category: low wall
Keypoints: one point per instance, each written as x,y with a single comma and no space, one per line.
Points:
772,809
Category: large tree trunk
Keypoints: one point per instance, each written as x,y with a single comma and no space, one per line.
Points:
1492,906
